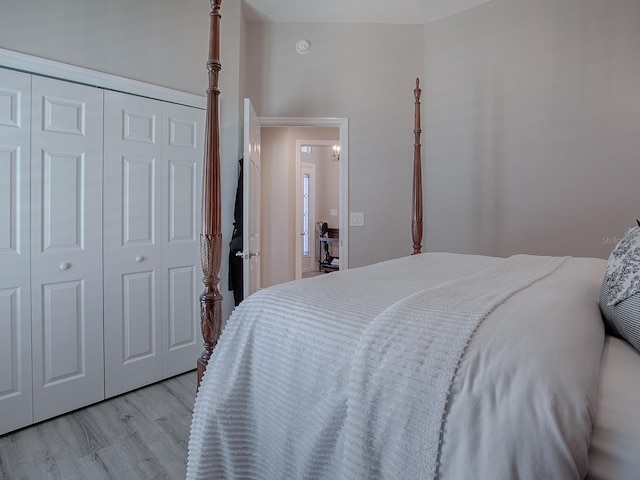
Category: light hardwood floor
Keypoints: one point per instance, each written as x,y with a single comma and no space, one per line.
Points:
312,273
138,435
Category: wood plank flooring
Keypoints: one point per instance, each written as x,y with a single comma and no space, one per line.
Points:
140,435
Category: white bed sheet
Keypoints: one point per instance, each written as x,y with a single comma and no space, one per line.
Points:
515,382
615,442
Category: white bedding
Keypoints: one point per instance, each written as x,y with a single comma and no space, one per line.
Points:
522,402
274,401
615,443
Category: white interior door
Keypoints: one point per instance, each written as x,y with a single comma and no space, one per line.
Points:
183,149
15,251
133,226
66,242
251,200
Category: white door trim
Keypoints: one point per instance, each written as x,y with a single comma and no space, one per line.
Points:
107,81
343,202
313,261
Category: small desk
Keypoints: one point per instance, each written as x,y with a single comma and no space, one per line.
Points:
326,261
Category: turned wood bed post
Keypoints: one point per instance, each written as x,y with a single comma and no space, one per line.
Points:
211,236
416,224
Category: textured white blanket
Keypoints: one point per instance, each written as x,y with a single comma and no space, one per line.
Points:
405,363
346,376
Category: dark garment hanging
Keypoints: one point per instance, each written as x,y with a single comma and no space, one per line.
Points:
235,246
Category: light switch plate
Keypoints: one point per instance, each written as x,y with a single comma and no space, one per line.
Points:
356,219
333,212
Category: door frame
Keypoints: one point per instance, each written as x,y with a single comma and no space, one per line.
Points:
311,167
343,191
312,143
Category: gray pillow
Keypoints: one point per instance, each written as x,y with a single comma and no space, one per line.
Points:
623,319
620,291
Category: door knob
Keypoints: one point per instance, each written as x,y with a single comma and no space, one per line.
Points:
247,255
65,266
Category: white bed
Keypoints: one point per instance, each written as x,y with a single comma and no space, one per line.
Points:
436,365
283,395
615,441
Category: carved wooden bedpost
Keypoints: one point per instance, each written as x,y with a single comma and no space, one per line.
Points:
416,224
211,236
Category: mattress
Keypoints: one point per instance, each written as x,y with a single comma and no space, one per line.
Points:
615,442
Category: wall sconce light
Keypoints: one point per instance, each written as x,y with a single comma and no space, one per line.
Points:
335,154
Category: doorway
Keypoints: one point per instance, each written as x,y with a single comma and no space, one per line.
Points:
280,211
324,156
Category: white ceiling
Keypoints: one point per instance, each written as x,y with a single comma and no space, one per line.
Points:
355,11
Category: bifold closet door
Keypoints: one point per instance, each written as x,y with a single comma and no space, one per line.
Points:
132,251
15,251
183,140
153,157
66,246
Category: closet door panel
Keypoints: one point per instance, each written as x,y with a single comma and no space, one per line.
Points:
15,251
66,246
132,246
182,177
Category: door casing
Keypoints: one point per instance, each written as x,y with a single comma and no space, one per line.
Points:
343,201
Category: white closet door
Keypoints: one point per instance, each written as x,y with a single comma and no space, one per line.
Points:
66,241
132,251
15,251
183,132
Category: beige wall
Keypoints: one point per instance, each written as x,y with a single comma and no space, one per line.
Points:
531,122
365,73
158,41
163,42
328,183
532,127
531,109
